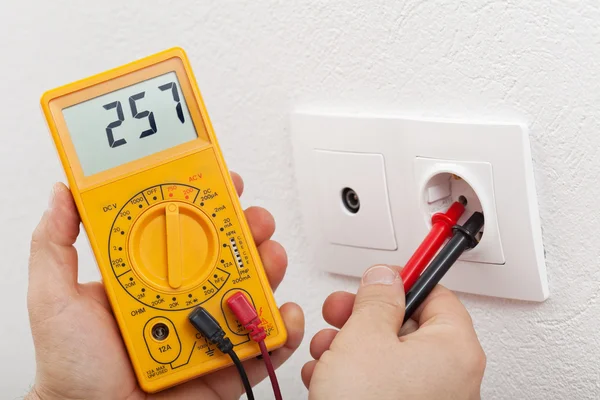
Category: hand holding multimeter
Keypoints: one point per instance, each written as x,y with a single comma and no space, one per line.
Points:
187,274
182,269
79,351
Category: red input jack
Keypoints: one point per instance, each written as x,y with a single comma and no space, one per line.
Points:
441,230
243,310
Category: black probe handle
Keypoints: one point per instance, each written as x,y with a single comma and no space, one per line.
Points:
462,239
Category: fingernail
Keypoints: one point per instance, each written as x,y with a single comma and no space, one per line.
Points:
380,275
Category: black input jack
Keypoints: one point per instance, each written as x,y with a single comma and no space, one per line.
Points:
350,200
160,331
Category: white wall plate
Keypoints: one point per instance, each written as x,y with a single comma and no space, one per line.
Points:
365,173
402,171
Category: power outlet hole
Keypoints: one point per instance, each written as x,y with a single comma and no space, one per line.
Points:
444,189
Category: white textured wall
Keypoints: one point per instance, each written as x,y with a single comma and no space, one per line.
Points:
535,61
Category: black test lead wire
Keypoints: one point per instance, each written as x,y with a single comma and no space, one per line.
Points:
464,238
207,325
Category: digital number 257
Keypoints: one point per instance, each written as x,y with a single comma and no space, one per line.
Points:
137,114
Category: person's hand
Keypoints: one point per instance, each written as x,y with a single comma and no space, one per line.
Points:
435,356
78,348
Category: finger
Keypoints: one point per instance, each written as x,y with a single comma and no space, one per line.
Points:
337,308
441,306
275,261
238,182
53,259
262,224
307,372
409,327
442,313
95,291
293,319
379,305
321,342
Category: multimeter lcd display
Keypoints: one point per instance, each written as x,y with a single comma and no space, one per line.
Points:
129,123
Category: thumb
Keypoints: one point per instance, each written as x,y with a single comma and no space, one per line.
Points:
53,259
379,304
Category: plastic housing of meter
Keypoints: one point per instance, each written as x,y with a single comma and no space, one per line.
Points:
169,234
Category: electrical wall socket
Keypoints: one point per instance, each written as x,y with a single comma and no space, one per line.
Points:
401,171
466,179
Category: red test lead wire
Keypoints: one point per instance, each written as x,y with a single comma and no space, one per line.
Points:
239,304
441,230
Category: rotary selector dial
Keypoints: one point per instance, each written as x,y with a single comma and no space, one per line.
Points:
164,248
170,246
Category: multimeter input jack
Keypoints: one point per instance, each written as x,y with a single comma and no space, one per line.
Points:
350,200
160,331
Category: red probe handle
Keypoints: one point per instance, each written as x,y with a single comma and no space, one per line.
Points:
441,230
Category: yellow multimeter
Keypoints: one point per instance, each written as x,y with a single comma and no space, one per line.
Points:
161,213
